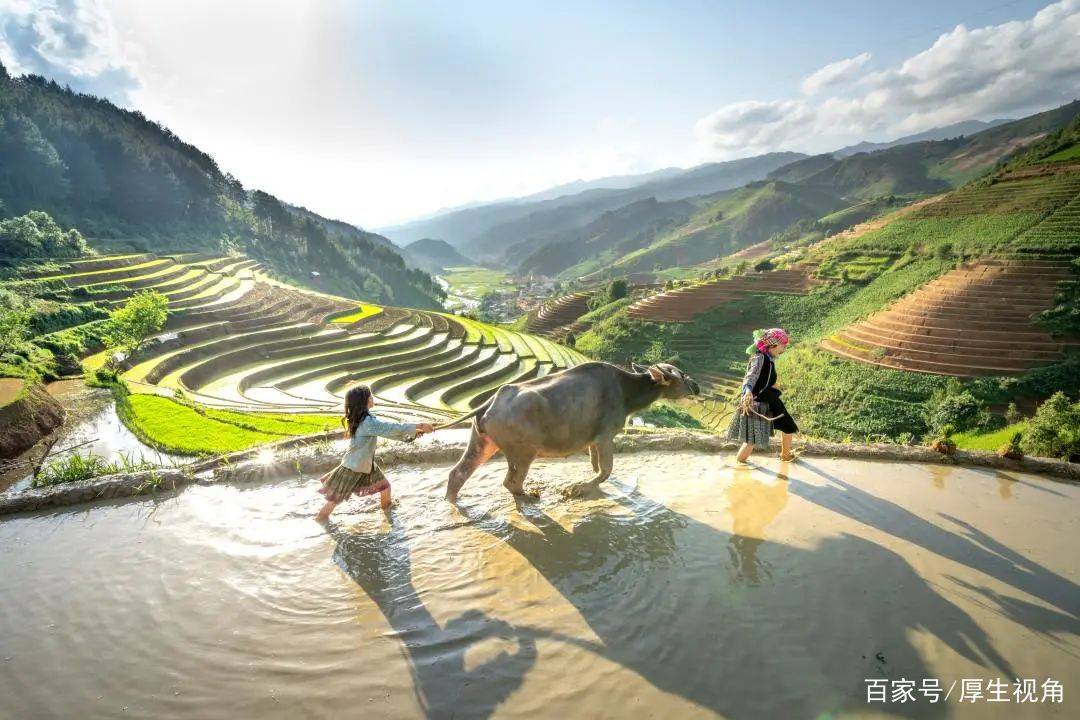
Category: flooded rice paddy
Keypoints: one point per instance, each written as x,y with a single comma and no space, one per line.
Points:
687,588
92,427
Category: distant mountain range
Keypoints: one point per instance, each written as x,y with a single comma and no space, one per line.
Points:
967,127
483,232
433,256
684,217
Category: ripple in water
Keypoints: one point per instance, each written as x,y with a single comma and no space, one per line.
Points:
706,591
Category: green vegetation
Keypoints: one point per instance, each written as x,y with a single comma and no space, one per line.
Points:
77,467
1064,317
1072,152
181,430
1054,431
475,282
113,173
347,317
663,414
838,398
35,234
730,222
989,440
130,325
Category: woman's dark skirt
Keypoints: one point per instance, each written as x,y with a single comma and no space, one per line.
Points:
344,482
785,423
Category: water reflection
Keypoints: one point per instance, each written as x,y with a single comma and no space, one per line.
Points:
753,504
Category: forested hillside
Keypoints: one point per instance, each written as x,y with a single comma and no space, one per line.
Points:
128,183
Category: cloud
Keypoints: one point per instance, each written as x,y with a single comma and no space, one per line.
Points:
1011,69
753,124
70,41
834,74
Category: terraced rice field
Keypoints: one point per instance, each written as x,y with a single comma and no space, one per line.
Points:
553,318
236,340
682,304
975,320
1040,188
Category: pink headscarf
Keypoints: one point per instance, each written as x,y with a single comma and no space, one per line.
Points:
772,337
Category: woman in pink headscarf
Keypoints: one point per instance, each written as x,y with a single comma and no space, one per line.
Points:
760,408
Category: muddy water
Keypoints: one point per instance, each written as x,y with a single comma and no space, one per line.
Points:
92,427
686,589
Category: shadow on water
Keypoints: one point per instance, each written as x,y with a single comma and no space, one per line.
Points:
652,585
445,687
973,548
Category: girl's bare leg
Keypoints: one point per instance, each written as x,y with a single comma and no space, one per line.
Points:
324,514
785,446
384,499
744,452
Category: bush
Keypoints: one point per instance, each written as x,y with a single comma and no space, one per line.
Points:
14,321
1054,431
36,234
1012,414
962,411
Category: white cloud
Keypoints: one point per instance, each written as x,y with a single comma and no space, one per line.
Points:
750,126
835,74
70,41
1011,69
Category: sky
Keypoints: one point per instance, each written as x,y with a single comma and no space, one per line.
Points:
376,112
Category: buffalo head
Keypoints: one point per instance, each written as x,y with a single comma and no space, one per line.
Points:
673,382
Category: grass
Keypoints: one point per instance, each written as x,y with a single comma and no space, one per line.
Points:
475,282
990,441
179,429
76,467
347,317
1069,153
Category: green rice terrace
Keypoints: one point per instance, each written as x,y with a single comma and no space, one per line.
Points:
970,293
244,359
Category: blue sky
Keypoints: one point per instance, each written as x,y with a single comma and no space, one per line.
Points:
376,112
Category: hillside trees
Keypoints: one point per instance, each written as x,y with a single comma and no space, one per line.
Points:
130,183
36,234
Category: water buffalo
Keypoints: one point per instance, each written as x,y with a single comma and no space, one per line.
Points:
561,414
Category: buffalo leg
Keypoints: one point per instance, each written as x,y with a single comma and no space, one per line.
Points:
518,463
481,448
605,453
602,453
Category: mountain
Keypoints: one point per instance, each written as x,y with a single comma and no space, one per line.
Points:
802,169
923,167
604,240
570,214
730,221
128,183
611,182
489,229
434,255
967,127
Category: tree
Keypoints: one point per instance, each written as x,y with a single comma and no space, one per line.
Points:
617,289
36,234
129,326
